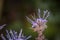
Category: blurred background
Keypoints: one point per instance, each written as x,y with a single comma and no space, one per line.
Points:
13,12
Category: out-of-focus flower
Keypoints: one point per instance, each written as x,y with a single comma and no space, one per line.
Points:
2,26
12,35
39,24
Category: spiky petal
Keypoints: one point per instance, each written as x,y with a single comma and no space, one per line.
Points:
38,13
20,34
1,27
3,37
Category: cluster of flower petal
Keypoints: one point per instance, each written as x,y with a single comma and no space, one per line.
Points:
2,26
40,21
12,35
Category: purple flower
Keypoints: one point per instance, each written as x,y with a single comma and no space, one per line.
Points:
12,35
40,20
39,24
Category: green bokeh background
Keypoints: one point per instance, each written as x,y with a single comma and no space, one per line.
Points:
14,12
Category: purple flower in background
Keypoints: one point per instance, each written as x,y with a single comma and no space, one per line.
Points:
12,35
2,26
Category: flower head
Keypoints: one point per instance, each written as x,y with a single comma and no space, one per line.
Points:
39,22
12,35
